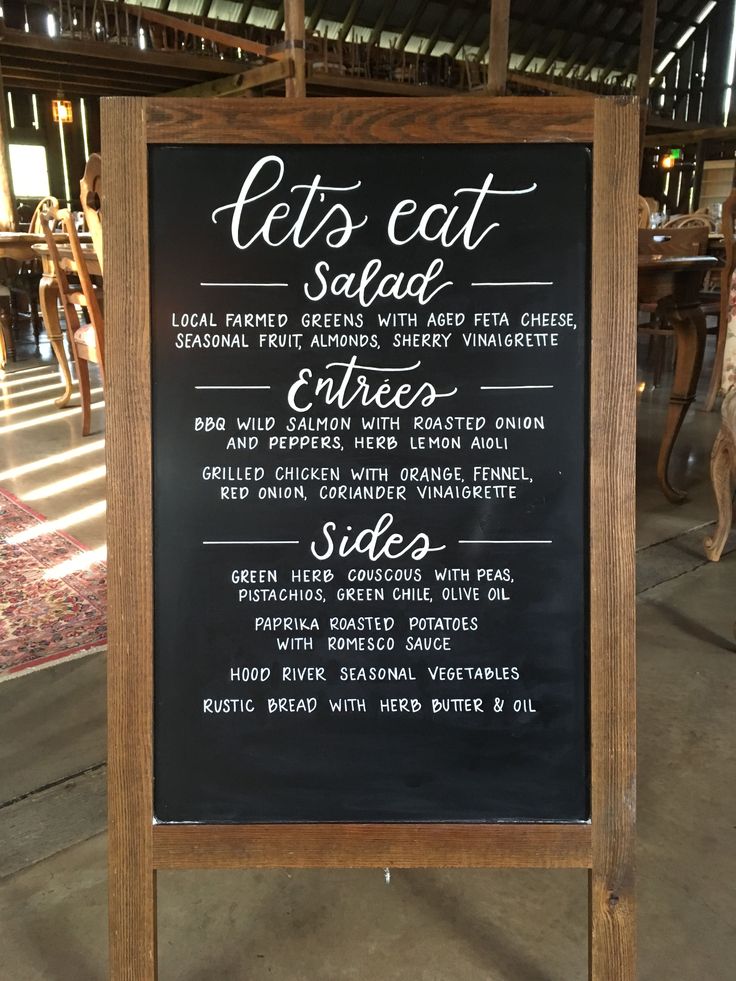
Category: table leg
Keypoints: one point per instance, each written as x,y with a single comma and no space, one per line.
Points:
48,295
689,326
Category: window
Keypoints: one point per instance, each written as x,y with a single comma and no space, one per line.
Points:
29,170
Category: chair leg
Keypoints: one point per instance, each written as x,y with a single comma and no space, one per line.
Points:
84,394
722,472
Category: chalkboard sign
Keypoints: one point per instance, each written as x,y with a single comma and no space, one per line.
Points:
369,457
370,401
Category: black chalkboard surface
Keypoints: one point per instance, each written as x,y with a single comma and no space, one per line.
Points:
369,370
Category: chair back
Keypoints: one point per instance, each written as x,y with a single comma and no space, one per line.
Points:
644,212
70,296
673,241
695,220
90,192
35,227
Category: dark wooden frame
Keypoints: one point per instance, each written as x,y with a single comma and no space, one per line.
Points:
605,845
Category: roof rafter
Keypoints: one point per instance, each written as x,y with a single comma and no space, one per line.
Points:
420,7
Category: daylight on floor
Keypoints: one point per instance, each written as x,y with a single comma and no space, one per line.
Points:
367,471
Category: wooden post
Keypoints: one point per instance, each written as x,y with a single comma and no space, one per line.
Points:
644,70
698,173
7,198
498,58
296,87
612,626
132,877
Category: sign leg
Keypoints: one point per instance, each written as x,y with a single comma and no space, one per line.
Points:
612,937
132,918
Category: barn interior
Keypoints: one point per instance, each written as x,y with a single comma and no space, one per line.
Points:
678,59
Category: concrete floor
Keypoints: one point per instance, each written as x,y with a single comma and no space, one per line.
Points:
424,925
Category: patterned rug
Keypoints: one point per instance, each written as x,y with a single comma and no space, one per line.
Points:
49,610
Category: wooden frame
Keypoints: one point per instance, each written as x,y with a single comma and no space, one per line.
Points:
605,845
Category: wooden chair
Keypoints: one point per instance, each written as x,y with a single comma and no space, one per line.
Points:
727,227
90,192
19,299
35,226
690,240
87,340
697,219
644,212
723,457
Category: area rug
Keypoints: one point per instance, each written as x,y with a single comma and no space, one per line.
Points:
50,610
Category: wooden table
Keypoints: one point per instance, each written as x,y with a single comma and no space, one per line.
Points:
18,247
21,247
48,295
672,284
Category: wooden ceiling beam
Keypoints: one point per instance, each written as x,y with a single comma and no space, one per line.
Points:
685,137
114,69
420,7
667,34
571,26
349,19
541,33
29,72
441,24
240,84
565,35
531,51
483,47
316,15
75,51
346,85
613,63
588,41
222,38
468,26
554,51
244,14
595,52
388,6
572,59
609,68
544,83
225,40
33,83
646,50
498,62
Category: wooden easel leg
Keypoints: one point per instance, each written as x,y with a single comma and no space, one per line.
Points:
612,933
612,662
132,919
